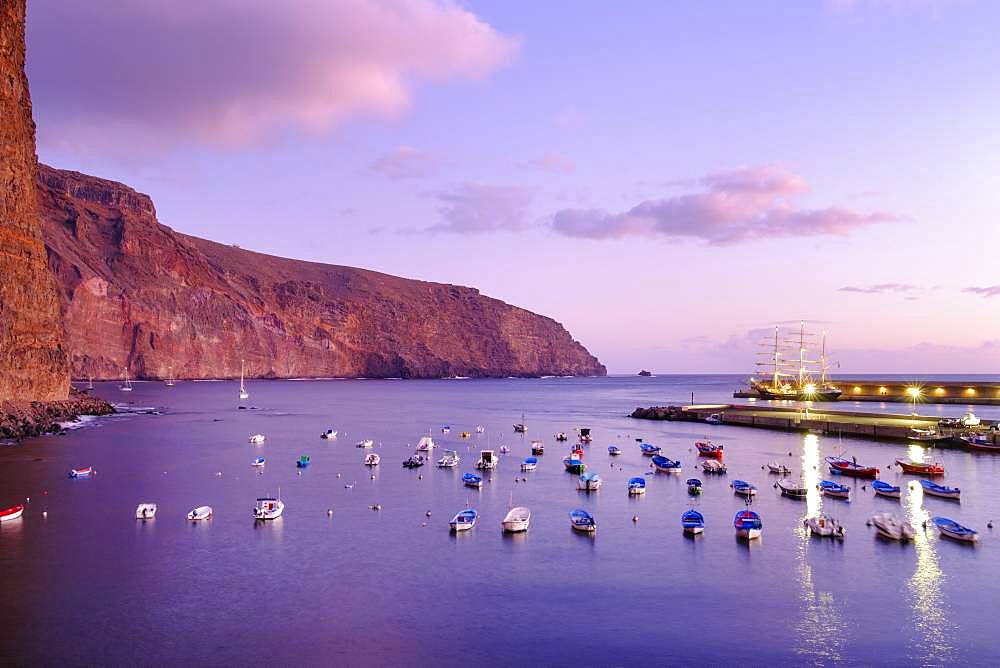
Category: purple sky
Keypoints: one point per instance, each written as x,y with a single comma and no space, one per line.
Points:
667,181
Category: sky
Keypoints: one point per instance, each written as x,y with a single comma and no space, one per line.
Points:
669,180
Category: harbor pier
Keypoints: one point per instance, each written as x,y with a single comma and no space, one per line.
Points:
900,391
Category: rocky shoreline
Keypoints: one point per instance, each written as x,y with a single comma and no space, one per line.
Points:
22,419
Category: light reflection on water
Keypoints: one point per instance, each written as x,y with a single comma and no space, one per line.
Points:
930,610
821,627
916,452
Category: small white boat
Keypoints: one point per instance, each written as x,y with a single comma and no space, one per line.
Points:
145,511
636,486
329,434
372,459
780,469
517,520
367,443
537,448
582,521
257,439
200,513
504,449
425,444
449,460
713,466
589,481
952,529
824,525
480,429
714,418
529,464
464,520
257,462
891,526
268,508
446,429
487,460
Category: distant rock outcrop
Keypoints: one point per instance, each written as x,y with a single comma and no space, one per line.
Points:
33,365
136,293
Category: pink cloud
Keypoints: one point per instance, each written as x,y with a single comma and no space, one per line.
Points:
476,208
406,162
990,291
880,288
556,163
233,72
734,206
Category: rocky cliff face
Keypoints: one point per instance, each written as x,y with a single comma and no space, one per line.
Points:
33,363
137,294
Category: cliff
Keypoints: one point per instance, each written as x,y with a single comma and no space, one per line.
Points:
33,364
136,293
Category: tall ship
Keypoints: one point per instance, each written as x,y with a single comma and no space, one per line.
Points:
788,373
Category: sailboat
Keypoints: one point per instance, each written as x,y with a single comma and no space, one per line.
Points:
243,390
789,381
90,384
127,386
170,377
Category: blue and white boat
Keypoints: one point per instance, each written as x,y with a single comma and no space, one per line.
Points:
942,491
257,462
81,473
694,486
464,520
589,481
954,530
666,465
693,522
883,488
614,450
529,464
834,489
636,486
472,480
649,449
574,464
747,524
743,488
581,520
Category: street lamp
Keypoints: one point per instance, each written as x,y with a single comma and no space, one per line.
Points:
914,393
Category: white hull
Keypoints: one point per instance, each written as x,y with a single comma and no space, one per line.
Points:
145,511
889,495
202,513
529,467
891,527
837,495
461,526
668,470
515,526
517,520
636,491
367,443
257,439
746,492
271,511
14,516
486,466
968,538
447,464
588,487
694,531
329,434
372,460
748,534
940,495
824,526
584,528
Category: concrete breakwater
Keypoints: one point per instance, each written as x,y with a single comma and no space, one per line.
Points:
983,393
876,426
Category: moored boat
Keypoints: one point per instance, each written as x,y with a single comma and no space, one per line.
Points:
824,525
589,481
258,462
709,449
561,436
449,460
792,490
891,526
882,488
303,461
537,448
268,508
464,520
834,489
693,522
583,521
942,491
574,464
14,512
529,464
849,467
480,429
713,467
329,434
636,486
504,449
780,469
372,459
516,520
614,450
714,418
952,529
666,465
748,524
521,427
694,486
425,444
487,460
82,473
200,513
472,480
980,443
648,449
257,439
920,468
446,429
414,461
366,443
585,436
743,488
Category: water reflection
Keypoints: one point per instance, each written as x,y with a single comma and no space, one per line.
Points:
917,453
821,628
930,613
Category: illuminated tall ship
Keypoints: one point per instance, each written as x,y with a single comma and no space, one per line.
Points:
789,374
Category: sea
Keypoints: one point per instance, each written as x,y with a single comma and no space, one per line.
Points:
362,570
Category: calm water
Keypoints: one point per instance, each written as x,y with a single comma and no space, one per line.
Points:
89,584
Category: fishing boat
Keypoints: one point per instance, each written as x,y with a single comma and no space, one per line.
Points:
256,439
779,469
952,529
920,468
243,389
562,437
126,385
14,512
892,526
82,473
979,443
329,434
537,448
268,508
589,481
574,464
480,429
693,522
849,467
834,489
487,460
464,520
516,520
372,459
200,513
257,462
366,443
585,436
824,525
666,465
709,449
648,449
747,524
582,521
792,490
714,418
743,488
636,486
446,429
521,427
529,464
425,444
694,486
614,450
472,480
303,461
942,491
882,488
449,460
414,461
713,467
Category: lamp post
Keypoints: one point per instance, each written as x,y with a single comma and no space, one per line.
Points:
914,393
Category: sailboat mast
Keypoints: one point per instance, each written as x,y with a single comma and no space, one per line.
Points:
242,389
802,351
776,353
822,361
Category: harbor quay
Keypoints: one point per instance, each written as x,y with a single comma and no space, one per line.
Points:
903,391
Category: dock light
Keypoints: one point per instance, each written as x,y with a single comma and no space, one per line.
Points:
857,389
914,393
883,390
939,391
971,392
809,388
